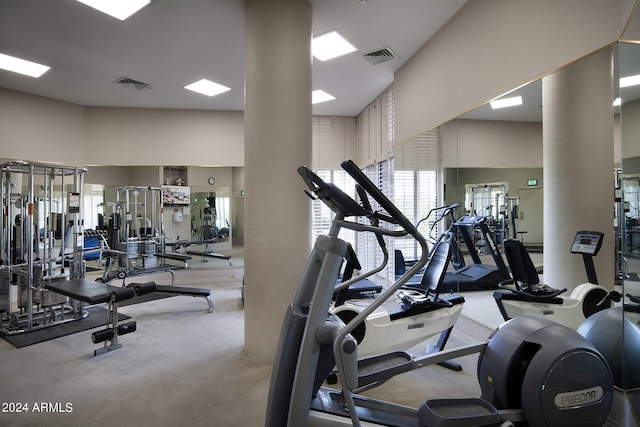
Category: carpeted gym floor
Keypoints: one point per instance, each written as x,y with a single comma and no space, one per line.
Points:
185,366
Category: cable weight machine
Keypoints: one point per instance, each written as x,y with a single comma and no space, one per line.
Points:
37,200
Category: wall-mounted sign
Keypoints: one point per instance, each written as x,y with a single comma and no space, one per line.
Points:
74,202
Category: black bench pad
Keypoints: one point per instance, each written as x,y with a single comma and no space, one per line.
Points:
85,290
179,257
209,254
181,290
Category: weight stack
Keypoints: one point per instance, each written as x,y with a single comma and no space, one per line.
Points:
49,298
150,260
40,295
5,295
23,285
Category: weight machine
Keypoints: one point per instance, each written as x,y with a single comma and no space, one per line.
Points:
37,200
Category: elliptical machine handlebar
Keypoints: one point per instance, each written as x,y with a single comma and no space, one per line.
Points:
448,210
352,169
364,198
336,199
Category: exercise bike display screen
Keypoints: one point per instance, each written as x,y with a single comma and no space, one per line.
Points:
587,242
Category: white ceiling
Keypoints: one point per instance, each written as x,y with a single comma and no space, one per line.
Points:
171,43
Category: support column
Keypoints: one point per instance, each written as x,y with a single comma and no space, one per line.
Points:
578,168
278,134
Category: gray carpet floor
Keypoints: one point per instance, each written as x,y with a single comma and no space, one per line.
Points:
185,366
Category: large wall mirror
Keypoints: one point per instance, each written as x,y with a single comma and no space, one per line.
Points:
198,215
490,161
628,210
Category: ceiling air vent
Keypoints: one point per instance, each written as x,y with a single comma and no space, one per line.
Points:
379,56
127,82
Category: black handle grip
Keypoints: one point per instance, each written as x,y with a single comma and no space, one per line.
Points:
312,180
353,170
364,199
336,199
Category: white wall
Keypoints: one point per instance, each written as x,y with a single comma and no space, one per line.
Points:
493,46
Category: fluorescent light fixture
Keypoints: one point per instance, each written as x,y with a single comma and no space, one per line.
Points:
330,45
207,87
630,81
506,102
22,66
617,102
121,9
318,96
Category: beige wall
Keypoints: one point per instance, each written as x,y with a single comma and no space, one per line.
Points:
493,46
35,128
491,144
142,136
41,129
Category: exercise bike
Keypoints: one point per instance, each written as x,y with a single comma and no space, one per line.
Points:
530,370
422,313
524,295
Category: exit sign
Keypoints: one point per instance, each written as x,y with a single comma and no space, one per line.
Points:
532,182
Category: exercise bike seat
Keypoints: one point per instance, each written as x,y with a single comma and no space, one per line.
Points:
426,296
525,276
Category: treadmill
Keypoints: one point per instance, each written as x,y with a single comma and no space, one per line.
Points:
476,276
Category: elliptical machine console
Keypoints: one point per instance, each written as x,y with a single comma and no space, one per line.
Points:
530,370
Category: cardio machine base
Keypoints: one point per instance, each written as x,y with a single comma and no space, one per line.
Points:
585,300
401,329
328,408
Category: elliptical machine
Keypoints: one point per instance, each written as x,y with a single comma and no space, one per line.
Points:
530,370
422,313
524,295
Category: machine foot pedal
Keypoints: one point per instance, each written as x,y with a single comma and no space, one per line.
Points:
457,413
380,368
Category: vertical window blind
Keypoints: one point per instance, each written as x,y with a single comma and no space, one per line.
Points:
406,173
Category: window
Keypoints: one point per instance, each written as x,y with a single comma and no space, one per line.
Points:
93,199
415,182
322,216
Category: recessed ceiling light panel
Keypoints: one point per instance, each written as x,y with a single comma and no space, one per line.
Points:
506,102
207,87
318,96
22,66
120,9
330,45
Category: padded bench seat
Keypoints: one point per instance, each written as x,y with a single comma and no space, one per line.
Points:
89,291
178,257
209,254
182,290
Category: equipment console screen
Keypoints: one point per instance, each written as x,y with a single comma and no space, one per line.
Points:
587,242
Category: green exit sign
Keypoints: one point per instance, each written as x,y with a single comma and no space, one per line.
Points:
532,182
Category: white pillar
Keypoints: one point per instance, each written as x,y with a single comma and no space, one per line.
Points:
278,134
578,168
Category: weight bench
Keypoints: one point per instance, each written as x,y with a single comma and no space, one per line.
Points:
206,255
174,256
93,293
177,290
